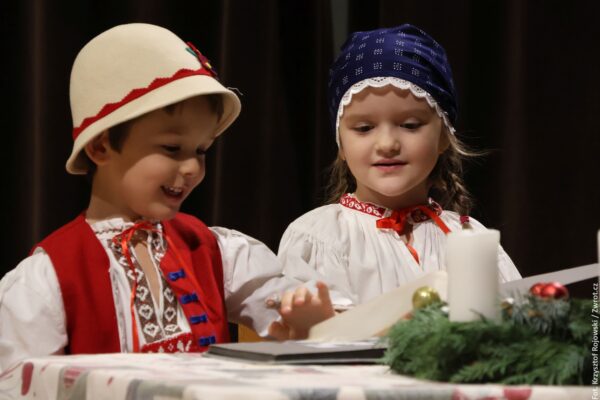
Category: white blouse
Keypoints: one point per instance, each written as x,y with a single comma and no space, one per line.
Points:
341,245
32,315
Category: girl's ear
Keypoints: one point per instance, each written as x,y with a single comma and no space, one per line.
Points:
444,142
98,148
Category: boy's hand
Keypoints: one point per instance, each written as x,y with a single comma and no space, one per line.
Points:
300,310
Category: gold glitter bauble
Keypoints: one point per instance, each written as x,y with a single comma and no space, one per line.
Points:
425,296
507,306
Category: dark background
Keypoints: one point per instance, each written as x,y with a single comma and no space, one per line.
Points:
527,73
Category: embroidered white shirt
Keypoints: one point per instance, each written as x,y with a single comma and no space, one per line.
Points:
32,316
342,246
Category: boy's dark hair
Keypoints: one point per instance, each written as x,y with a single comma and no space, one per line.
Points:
118,133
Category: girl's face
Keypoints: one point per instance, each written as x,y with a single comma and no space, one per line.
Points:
391,141
160,163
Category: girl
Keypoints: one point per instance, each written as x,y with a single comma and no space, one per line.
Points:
396,187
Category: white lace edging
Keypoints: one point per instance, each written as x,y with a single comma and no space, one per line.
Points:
381,81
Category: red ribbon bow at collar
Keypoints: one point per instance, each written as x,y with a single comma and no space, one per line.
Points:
397,220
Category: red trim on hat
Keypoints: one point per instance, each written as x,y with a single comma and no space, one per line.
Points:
136,93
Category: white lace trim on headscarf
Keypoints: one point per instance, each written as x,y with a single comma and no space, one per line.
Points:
381,81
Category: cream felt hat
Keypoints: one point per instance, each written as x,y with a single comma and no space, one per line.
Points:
133,69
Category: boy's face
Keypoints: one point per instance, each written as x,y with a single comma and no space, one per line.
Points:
391,141
161,161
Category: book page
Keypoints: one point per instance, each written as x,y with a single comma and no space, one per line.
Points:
377,316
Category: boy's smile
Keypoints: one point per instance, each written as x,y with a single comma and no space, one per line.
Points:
162,160
173,191
174,196
391,141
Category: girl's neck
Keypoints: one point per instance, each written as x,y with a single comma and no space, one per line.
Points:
406,200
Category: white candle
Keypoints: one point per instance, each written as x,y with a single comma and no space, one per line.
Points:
472,264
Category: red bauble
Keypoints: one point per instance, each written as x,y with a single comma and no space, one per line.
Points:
554,290
536,289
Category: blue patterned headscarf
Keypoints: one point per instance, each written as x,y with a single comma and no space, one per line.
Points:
404,56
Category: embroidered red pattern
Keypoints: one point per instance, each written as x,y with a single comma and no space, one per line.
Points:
352,202
183,343
348,200
144,305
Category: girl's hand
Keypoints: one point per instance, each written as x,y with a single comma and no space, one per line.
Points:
300,310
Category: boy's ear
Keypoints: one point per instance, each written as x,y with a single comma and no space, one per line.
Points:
98,148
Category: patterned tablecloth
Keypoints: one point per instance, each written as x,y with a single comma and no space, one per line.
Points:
189,376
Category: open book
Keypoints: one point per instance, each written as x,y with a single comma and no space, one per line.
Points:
377,316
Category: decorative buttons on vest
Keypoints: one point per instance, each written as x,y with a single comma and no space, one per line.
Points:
173,276
206,340
188,298
196,319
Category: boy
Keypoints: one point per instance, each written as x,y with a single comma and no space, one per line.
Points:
131,273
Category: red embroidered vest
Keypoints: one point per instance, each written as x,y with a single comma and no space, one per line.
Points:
82,265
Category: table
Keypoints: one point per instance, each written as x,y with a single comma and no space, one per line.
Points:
196,376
